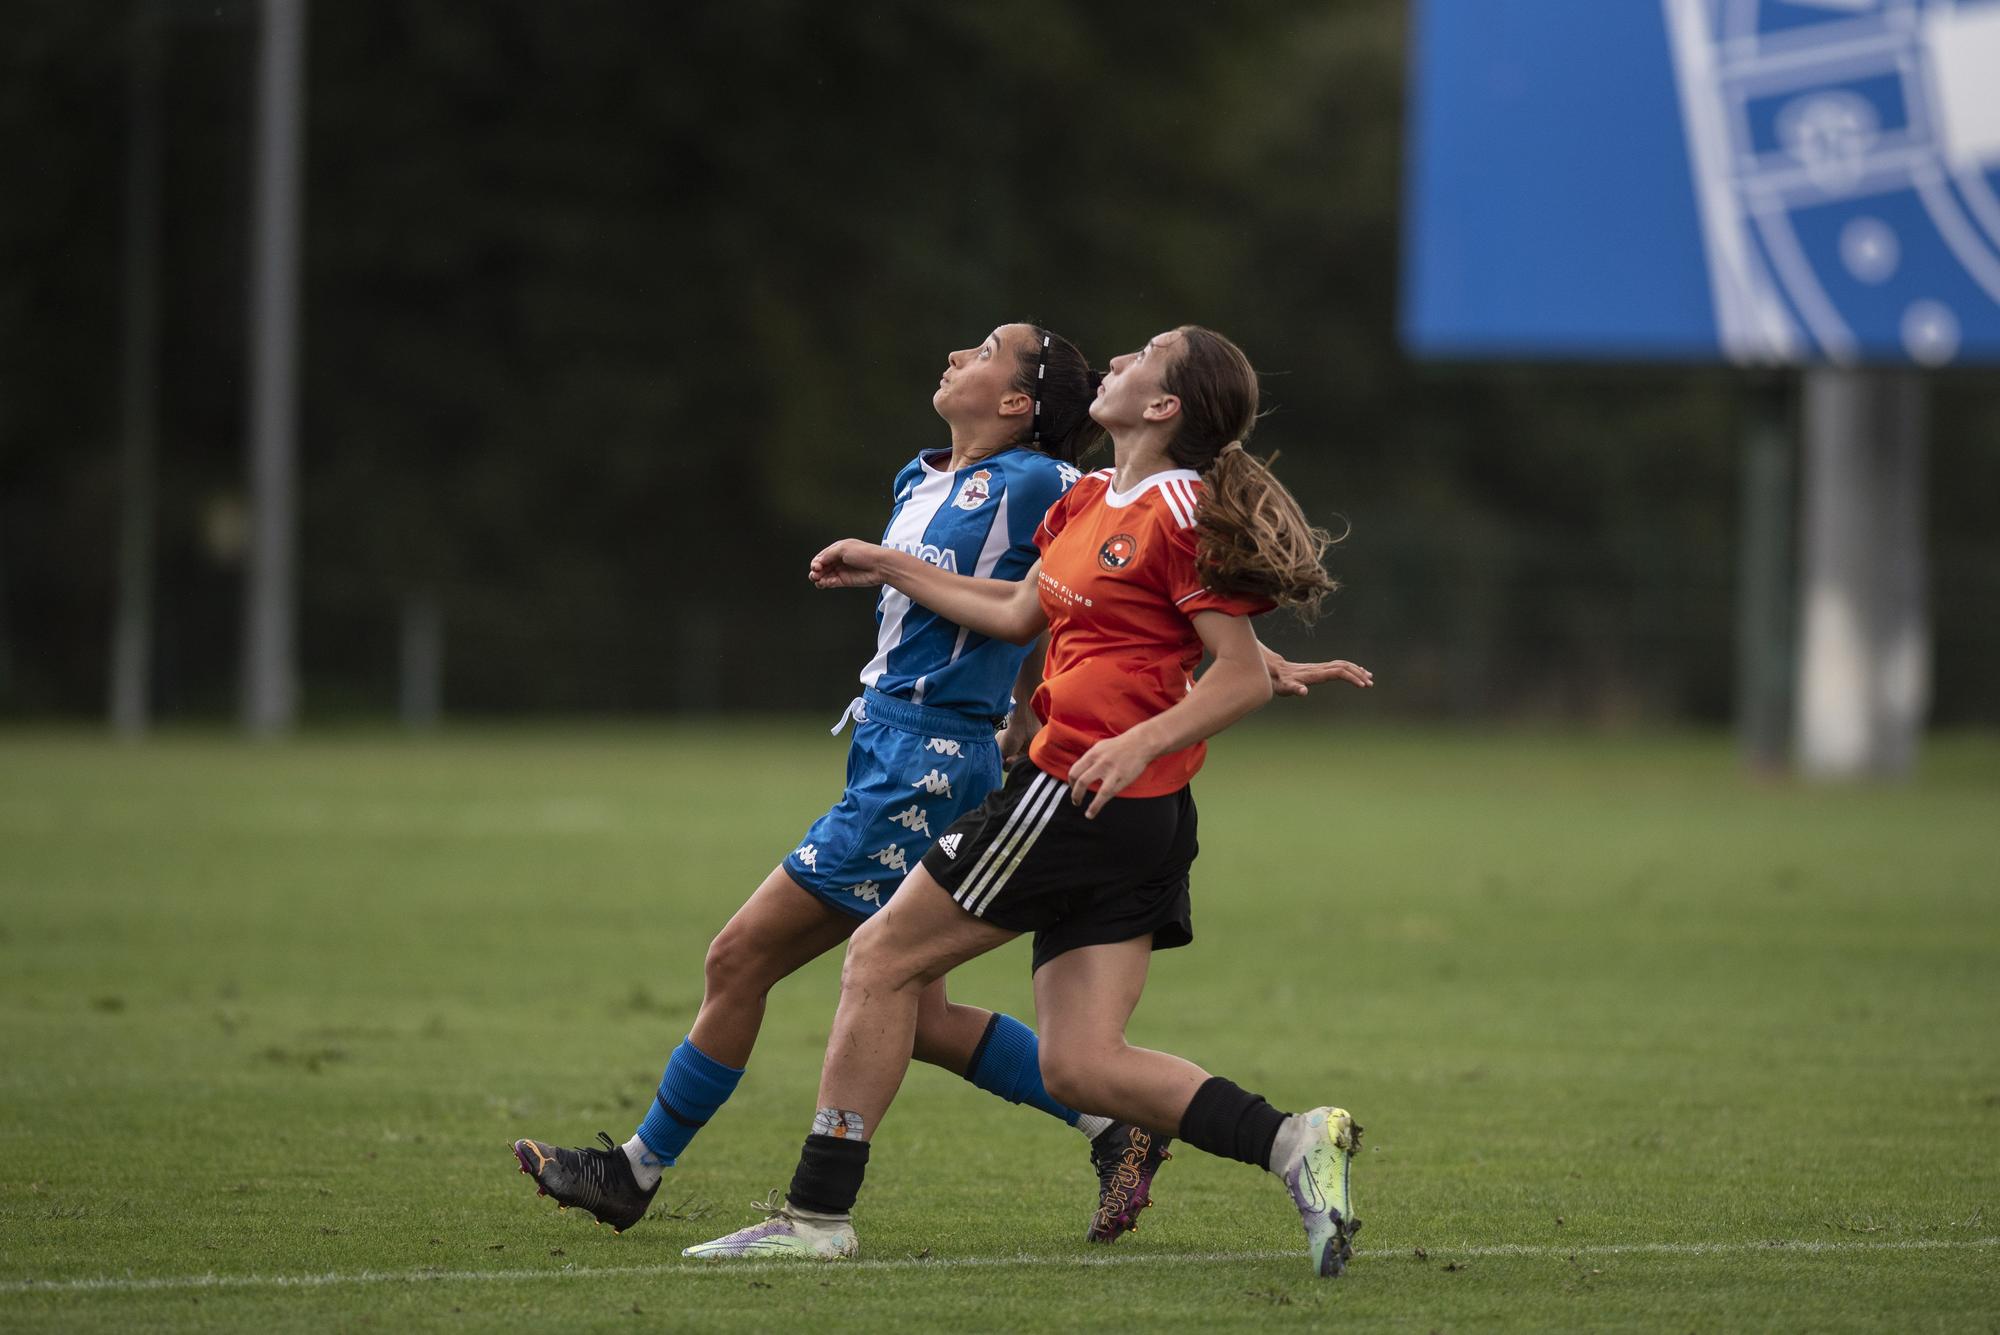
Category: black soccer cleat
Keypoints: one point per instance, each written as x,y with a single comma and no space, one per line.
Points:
1125,1158
599,1181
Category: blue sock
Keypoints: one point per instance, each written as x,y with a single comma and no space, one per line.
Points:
692,1088
1008,1062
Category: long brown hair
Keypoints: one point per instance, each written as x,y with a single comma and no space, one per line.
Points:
1252,537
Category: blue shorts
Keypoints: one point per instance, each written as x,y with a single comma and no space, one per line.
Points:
911,772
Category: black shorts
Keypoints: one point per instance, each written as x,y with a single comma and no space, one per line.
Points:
1026,859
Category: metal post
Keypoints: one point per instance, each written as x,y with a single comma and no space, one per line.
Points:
421,687
1764,577
6,644
1864,665
270,613
132,620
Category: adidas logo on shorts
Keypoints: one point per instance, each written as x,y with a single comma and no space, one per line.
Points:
949,844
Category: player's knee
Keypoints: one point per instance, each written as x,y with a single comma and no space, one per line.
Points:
1069,1074
735,966
874,963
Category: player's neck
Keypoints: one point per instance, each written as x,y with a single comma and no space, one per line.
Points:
969,446
1136,456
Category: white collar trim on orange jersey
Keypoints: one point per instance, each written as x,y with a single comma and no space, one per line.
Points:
1118,500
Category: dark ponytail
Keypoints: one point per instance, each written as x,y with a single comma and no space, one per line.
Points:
1253,539
1060,381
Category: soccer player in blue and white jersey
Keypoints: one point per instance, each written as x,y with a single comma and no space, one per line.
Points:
924,752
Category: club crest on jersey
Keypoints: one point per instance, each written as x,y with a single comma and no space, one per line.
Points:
975,491
1118,552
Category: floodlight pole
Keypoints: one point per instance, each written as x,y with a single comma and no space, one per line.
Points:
1865,645
132,620
270,610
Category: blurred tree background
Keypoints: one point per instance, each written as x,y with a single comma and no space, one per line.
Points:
614,313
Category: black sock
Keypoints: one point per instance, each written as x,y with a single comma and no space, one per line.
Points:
1225,1119
829,1174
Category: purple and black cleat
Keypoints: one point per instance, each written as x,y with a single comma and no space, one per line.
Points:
1125,1157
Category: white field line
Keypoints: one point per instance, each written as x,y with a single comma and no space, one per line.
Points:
702,1269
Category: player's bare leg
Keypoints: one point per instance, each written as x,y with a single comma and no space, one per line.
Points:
1094,990
1083,1000
917,938
892,962
948,1033
779,929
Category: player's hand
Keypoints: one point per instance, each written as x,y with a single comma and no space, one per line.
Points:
1014,738
1110,767
1289,678
848,564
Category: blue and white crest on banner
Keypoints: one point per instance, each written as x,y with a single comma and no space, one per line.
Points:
1846,160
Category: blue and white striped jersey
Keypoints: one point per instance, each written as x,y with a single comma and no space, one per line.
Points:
979,520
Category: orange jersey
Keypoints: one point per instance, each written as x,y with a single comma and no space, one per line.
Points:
1119,586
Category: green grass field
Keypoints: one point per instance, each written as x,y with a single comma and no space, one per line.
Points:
1640,1044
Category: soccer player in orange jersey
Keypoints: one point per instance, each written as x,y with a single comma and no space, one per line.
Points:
924,753
1147,567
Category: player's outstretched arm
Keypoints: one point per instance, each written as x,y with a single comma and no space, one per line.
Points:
1236,683
1003,608
1289,678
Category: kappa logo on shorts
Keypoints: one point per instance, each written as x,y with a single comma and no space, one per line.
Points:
1118,552
891,857
944,746
935,783
808,855
868,892
913,819
949,844
975,491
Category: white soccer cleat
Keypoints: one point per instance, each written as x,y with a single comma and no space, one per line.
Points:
786,1233
1317,1179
